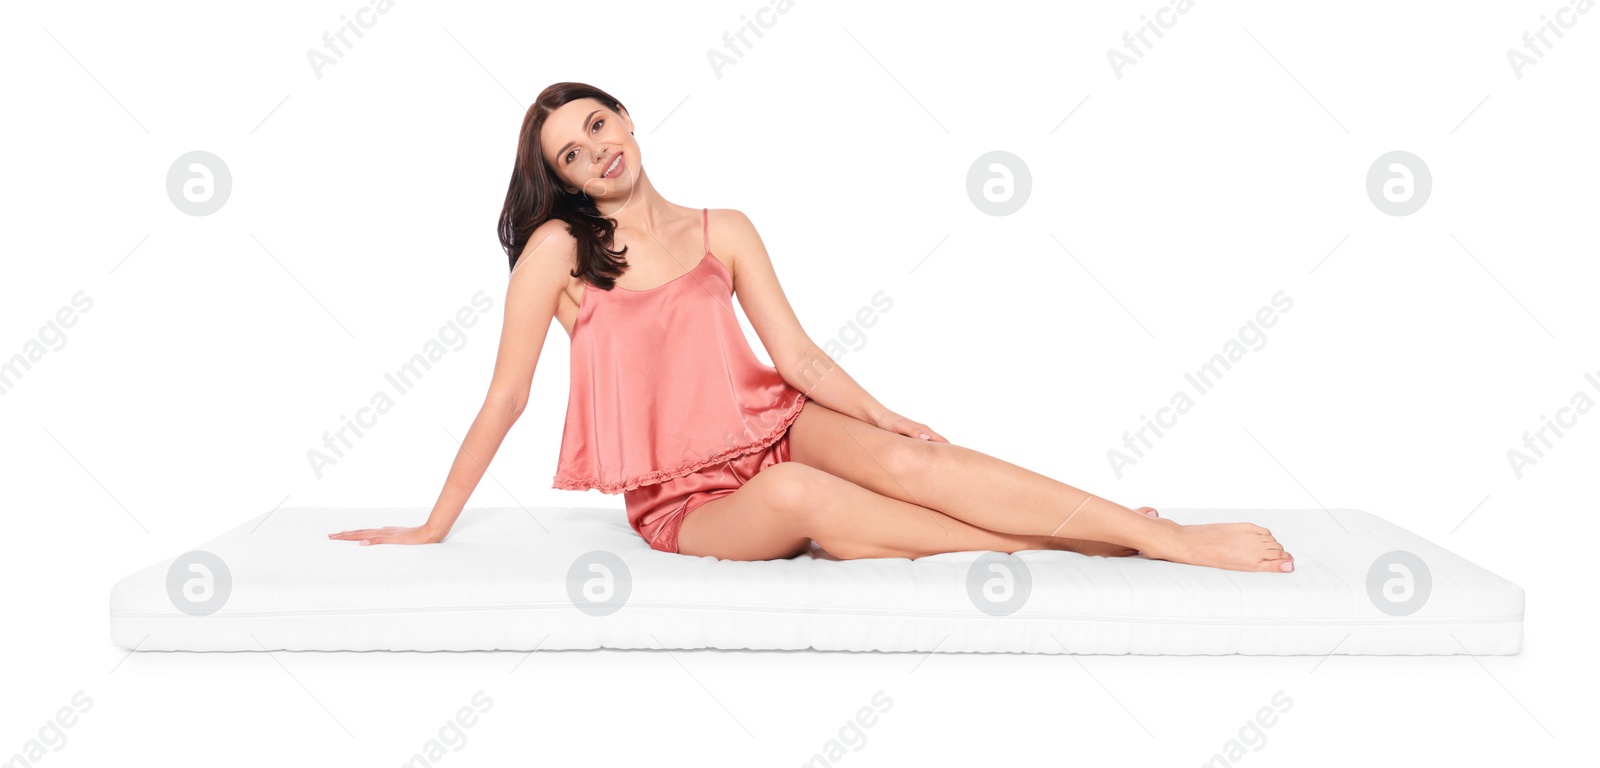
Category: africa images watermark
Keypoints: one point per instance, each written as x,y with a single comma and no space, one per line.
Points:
1138,43
52,337
339,43
1203,380
451,735
738,43
1539,440
852,736
810,371
1252,735
403,379
52,735
1539,43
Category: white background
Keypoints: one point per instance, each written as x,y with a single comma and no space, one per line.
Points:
1228,164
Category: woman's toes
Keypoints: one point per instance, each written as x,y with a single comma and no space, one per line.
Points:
1147,511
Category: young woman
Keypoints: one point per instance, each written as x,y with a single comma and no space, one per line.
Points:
716,453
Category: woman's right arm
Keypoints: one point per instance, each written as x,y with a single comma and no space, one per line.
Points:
532,294
531,298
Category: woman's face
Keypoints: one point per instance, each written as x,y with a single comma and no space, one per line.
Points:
581,141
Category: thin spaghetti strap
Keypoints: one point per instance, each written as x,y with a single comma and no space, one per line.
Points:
705,227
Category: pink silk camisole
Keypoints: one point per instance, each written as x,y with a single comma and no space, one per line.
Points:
664,383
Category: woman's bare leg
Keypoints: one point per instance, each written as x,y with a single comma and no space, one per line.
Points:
778,512
1001,497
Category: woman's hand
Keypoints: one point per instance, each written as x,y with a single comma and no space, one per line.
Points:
394,534
894,422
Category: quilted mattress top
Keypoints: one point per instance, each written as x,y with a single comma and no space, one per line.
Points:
562,577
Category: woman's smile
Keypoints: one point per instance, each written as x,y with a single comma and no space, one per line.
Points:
614,168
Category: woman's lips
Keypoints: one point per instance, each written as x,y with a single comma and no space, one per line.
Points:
621,163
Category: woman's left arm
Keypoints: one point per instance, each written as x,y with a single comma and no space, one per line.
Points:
803,364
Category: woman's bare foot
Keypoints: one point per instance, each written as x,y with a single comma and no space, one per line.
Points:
1229,546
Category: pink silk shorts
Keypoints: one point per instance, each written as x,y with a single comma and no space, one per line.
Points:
657,511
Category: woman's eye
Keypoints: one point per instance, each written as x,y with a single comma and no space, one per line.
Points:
592,128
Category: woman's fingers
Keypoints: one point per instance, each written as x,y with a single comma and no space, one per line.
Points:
393,534
361,533
919,429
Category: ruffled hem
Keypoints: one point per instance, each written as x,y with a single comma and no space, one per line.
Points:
566,483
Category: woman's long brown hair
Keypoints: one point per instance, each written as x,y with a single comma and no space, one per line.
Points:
535,194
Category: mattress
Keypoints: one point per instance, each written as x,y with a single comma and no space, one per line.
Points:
580,578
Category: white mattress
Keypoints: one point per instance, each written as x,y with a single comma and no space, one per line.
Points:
580,578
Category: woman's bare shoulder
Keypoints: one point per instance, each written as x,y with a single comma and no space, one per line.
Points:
733,231
551,246
552,234
731,219
544,268
741,246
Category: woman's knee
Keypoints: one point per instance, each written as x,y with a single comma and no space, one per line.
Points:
794,491
906,459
